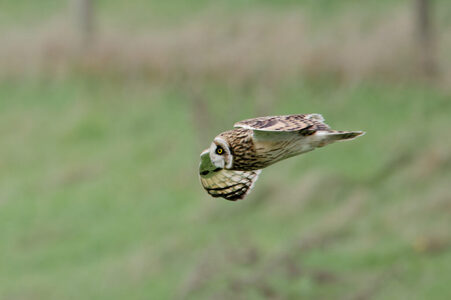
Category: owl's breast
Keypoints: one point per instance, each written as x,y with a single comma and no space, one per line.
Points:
250,155
269,152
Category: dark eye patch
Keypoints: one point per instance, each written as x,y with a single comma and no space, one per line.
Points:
219,150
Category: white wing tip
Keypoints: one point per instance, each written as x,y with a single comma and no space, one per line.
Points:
240,125
316,117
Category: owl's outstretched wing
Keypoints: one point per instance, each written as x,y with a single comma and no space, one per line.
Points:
287,123
228,184
281,128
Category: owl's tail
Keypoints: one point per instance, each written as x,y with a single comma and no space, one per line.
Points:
327,137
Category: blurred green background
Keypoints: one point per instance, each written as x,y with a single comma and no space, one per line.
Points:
102,127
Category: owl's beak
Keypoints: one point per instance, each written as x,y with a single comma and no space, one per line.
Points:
218,162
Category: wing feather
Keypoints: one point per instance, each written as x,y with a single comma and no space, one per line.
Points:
228,184
285,123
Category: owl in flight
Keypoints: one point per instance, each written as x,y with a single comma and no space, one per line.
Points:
230,167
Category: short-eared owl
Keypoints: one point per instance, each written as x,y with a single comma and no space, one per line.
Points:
230,167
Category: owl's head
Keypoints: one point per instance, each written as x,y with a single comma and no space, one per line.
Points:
220,153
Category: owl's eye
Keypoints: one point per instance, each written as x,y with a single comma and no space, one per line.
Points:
219,150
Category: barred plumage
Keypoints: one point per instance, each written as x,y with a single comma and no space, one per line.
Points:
235,158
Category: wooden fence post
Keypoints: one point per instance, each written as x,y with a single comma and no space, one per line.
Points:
425,37
83,11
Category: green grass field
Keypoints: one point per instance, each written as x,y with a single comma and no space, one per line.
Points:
100,199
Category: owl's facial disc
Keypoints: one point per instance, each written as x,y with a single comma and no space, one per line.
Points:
220,154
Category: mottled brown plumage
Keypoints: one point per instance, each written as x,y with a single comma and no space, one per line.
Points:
257,143
286,123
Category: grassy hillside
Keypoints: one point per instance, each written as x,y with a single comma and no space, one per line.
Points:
99,192
100,196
